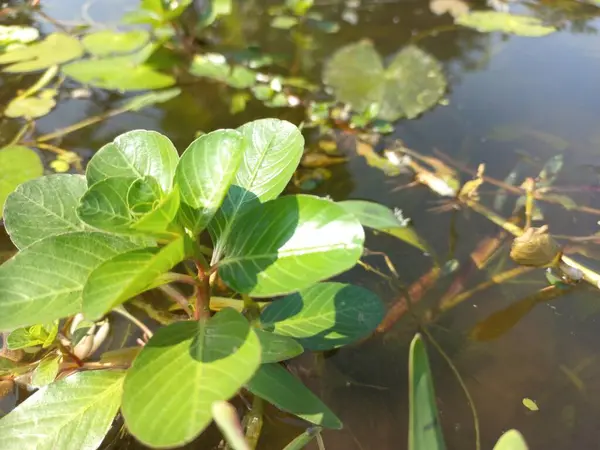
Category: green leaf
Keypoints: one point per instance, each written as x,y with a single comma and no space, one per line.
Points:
106,42
511,440
46,371
279,387
302,440
145,100
137,153
277,348
299,7
380,218
215,67
44,281
17,34
424,428
226,417
284,22
71,414
288,244
273,154
36,335
57,48
17,165
410,85
325,315
30,107
488,21
205,172
127,274
159,220
44,207
195,364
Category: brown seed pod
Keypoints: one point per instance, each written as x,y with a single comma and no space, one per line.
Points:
536,248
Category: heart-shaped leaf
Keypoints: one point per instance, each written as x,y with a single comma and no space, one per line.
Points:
105,42
279,387
57,48
44,281
205,172
195,364
44,207
488,21
276,347
137,154
127,274
274,149
288,244
325,316
17,165
72,414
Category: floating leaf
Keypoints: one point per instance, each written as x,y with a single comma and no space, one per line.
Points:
46,371
71,414
17,165
288,244
279,387
152,98
57,48
195,364
410,85
276,347
17,34
325,315
488,21
531,405
511,440
106,42
215,67
284,22
30,107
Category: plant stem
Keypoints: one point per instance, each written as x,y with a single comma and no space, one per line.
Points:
201,310
24,129
121,310
253,422
177,297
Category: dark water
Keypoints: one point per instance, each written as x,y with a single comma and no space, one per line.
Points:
549,85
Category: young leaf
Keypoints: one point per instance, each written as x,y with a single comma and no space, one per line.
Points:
135,154
17,165
44,282
105,42
184,368
160,218
270,159
424,429
44,207
57,48
276,385
46,371
325,315
36,335
71,414
288,244
205,172
127,274
511,440
277,348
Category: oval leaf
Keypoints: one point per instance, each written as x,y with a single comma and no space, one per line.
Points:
288,244
487,21
44,207
57,48
102,43
184,368
72,414
279,387
277,348
325,316
17,165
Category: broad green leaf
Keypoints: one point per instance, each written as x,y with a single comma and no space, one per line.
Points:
44,207
205,172
511,440
302,440
325,315
488,21
46,371
381,218
45,281
271,157
275,384
277,348
410,85
184,368
106,42
17,165
127,274
145,100
17,34
288,244
71,414
424,428
137,153
56,48
30,107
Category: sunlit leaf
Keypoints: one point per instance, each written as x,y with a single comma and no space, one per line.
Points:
215,67
17,34
56,48
195,364
511,440
288,244
46,371
152,98
226,417
106,42
159,219
531,405
17,165
284,22
45,281
488,21
30,107
279,387
36,335
276,347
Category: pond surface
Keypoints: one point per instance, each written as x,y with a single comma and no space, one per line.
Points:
510,99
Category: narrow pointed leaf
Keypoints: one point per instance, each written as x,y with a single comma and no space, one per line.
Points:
44,207
325,315
276,385
288,244
511,440
71,414
276,347
17,165
45,281
205,172
182,371
302,440
127,274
